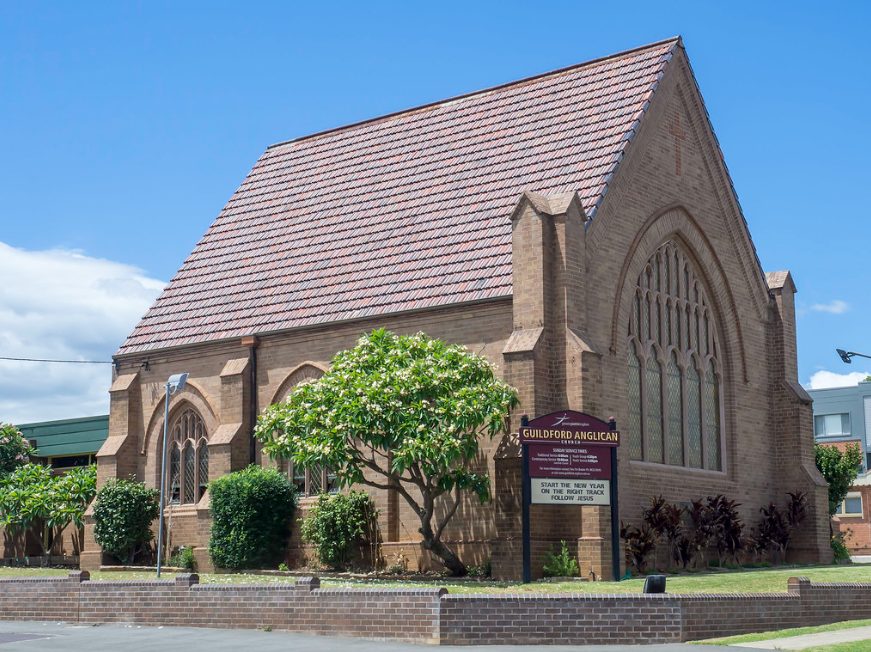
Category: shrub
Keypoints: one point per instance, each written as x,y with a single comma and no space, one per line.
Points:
727,528
338,523
184,558
251,515
484,570
561,564
776,527
15,450
398,564
640,542
656,517
839,547
123,513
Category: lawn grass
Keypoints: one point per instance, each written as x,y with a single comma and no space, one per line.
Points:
747,581
784,633
854,646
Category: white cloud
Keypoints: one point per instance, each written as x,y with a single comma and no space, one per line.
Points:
826,379
61,304
836,307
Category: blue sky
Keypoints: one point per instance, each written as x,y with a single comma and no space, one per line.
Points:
127,126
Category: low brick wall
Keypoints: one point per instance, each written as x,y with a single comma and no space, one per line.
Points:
431,615
397,614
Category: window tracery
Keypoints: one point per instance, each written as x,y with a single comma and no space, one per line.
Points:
188,458
674,379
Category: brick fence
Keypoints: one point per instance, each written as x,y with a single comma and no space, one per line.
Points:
430,615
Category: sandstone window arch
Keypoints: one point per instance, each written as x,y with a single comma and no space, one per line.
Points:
674,367
188,457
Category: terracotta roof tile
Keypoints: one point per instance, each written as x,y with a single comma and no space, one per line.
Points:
402,212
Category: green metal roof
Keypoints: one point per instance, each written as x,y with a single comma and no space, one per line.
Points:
67,436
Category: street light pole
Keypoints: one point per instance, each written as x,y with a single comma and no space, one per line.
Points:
175,383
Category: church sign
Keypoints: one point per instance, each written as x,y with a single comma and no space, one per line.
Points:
561,461
569,458
546,491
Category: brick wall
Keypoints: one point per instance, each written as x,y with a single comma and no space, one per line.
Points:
398,614
430,615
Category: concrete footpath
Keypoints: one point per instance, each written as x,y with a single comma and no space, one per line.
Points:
812,640
51,637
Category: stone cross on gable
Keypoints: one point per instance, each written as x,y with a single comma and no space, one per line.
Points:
679,134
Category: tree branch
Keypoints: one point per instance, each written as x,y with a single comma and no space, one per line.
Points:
448,515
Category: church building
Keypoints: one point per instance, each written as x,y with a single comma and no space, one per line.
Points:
578,228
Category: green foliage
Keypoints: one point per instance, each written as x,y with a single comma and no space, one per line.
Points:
400,411
639,543
839,469
337,523
839,547
15,450
251,515
184,558
32,498
123,513
484,570
283,567
561,564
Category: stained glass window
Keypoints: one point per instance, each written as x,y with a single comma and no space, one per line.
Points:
674,428
694,417
635,447
674,410
190,472
712,418
174,475
203,468
189,458
653,411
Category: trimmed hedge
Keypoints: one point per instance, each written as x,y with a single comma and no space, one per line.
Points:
123,513
252,511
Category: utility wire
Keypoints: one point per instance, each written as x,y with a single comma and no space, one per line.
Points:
65,361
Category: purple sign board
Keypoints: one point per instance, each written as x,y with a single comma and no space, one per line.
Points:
569,458
577,462
569,428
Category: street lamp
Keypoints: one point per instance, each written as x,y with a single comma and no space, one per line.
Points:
175,383
847,355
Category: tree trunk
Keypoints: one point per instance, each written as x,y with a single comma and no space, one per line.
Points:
449,559
435,546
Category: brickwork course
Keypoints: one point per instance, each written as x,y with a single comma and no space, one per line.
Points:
430,615
515,221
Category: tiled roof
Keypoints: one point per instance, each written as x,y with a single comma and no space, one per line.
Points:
402,212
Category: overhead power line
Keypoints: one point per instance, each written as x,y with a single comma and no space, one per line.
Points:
64,361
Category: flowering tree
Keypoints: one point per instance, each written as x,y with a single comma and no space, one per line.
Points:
397,412
15,450
32,498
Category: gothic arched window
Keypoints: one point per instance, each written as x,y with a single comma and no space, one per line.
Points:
316,479
188,458
674,384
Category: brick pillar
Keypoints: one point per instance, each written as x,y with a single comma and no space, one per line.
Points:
118,456
228,446
543,358
791,419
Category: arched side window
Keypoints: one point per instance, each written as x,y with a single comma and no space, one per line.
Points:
315,479
188,458
674,385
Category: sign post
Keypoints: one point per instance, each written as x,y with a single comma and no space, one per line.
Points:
569,458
